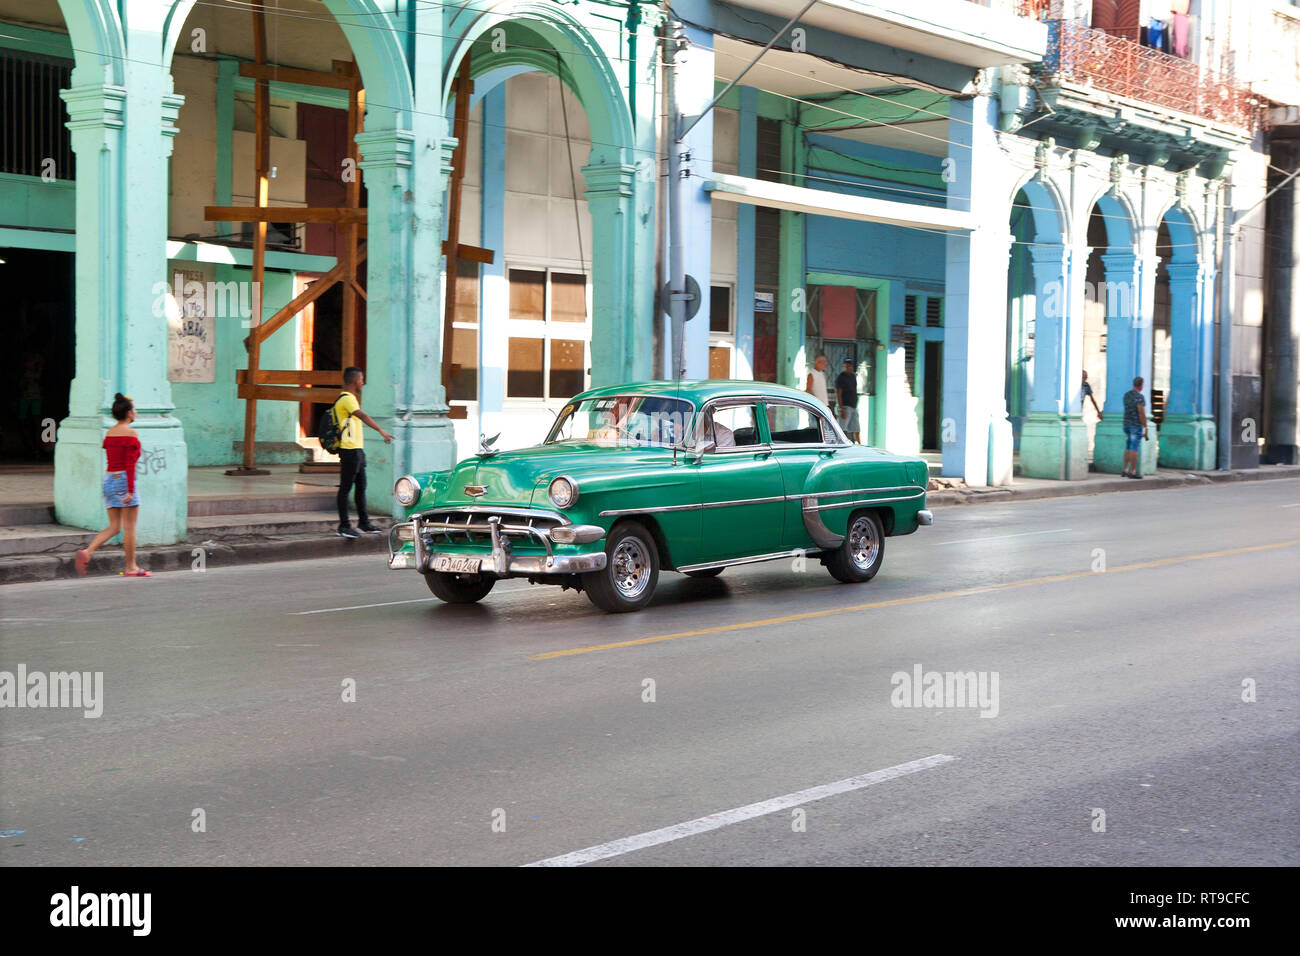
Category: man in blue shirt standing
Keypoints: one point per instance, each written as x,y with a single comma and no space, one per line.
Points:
1135,427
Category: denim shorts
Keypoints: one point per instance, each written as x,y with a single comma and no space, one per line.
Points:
115,488
1133,437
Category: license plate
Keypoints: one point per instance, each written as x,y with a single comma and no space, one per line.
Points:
444,562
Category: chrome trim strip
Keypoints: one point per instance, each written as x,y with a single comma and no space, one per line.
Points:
755,501
863,501
526,565
755,559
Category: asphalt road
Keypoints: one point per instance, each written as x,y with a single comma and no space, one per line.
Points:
474,738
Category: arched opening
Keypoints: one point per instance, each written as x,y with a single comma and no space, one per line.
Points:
1182,347
1043,351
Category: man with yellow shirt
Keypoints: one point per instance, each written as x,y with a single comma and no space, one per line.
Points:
352,456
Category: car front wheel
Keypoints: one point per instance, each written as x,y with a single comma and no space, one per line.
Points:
631,572
458,588
860,554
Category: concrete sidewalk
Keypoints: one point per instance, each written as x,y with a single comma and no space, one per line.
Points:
294,522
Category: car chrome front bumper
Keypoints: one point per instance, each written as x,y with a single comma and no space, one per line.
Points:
501,561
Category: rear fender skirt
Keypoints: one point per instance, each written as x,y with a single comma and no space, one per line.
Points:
821,535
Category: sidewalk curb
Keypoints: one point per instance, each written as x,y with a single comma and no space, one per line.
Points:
1068,489
212,555
27,569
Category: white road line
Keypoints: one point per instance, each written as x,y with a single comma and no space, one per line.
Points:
998,537
715,821
1296,505
362,607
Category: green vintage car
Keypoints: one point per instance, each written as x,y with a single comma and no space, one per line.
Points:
636,479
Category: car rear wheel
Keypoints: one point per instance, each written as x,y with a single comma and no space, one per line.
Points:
631,572
458,588
860,554
705,573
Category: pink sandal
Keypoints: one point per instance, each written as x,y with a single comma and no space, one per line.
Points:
82,562
137,573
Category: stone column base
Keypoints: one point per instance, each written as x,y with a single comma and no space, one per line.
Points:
1189,441
161,477
1054,446
422,443
1108,448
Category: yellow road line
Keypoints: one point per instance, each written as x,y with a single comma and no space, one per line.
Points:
808,615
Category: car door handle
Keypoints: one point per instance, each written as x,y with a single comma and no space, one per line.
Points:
827,453
763,454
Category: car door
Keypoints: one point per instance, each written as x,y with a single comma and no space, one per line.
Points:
742,497
804,445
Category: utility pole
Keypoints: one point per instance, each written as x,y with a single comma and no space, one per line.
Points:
678,175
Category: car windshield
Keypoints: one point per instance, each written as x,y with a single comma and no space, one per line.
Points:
624,420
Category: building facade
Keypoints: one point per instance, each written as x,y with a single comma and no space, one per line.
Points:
973,205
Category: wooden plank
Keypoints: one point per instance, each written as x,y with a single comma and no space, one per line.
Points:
341,215
285,74
470,253
464,87
304,298
288,393
292,377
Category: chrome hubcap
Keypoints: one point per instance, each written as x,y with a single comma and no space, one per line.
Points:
630,564
864,546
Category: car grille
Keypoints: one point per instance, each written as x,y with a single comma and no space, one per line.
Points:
526,528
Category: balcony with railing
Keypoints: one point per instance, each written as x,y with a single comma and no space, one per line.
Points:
1124,67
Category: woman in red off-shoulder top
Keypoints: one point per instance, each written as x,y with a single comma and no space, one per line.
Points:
122,446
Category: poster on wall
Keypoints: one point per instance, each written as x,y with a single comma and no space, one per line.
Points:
191,333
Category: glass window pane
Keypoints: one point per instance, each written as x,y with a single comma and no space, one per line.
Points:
793,425
731,427
568,297
524,368
567,373
466,292
720,310
464,367
527,294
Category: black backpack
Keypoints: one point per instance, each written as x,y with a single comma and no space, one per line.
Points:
330,430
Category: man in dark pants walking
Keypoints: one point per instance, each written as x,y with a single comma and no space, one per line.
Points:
352,455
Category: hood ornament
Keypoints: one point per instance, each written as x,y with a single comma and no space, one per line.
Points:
476,491
485,445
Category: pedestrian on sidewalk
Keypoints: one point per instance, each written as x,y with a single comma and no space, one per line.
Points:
846,395
122,448
1087,393
1135,428
352,455
816,384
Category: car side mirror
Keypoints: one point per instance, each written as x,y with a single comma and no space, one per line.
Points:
703,448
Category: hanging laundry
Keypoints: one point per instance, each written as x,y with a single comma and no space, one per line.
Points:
1182,35
1156,34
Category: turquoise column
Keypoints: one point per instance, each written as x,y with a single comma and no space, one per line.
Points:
1053,439
122,145
1188,435
974,397
792,363
494,293
619,350
745,233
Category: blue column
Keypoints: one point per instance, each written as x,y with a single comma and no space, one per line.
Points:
694,92
494,294
974,399
1187,437
1053,440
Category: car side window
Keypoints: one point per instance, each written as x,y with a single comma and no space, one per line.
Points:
797,425
731,426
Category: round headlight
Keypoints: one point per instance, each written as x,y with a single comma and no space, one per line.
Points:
563,492
406,491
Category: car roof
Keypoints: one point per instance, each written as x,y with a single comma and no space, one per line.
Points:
696,391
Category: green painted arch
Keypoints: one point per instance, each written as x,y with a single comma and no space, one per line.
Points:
535,32
98,44
384,71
